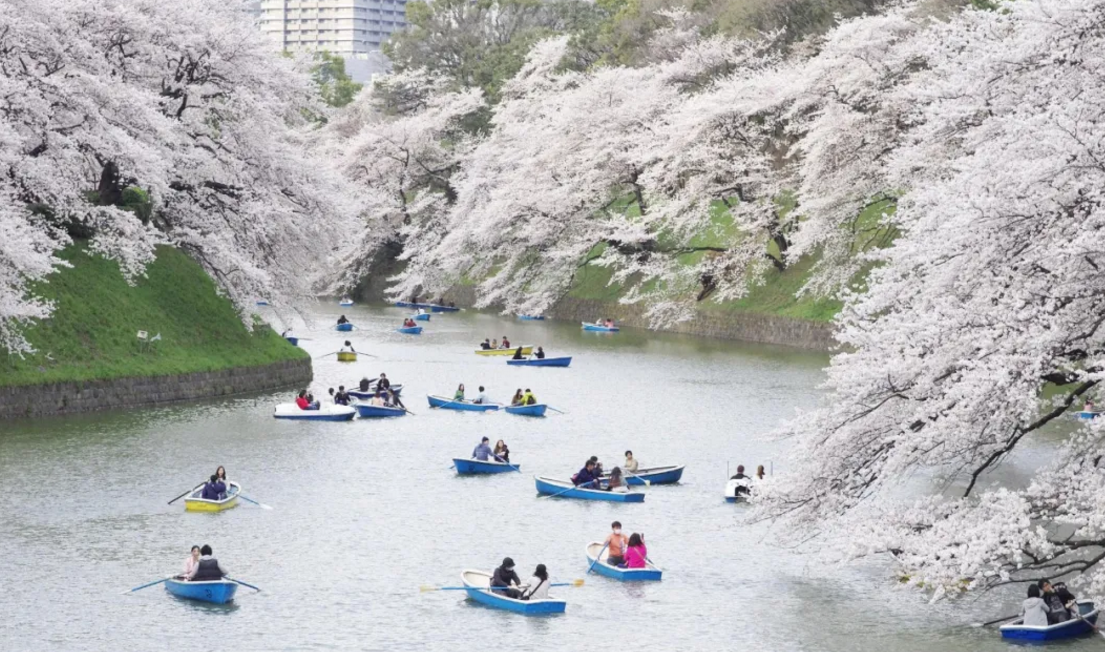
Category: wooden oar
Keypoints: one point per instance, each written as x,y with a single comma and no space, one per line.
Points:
244,584
555,410
597,557
248,499
425,589
184,494
139,588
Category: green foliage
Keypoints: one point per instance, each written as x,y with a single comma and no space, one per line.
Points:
137,201
335,85
92,334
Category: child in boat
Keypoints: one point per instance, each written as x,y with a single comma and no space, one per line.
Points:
538,587
517,400
1033,609
636,555
501,452
459,395
615,545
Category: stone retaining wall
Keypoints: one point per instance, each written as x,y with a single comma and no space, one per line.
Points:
68,398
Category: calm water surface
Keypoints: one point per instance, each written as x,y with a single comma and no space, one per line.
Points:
366,512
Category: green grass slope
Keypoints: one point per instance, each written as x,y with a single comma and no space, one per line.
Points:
92,333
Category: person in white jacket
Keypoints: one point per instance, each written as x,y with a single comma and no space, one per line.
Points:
1034,609
538,587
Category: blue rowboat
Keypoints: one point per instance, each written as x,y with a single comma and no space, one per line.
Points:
532,317
370,411
1069,629
535,410
602,567
1088,415
423,317
599,328
655,475
218,592
450,404
345,328
356,393
345,303
541,362
262,303
436,308
410,330
565,489
324,413
477,467
294,340
478,587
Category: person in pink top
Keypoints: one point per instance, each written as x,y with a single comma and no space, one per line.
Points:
636,555
190,563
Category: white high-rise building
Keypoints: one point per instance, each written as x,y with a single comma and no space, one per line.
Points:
354,29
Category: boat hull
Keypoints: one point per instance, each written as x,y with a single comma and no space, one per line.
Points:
324,413
345,328
535,410
217,592
432,307
356,393
294,341
423,317
410,330
1088,415
526,350
477,586
543,362
594,549
1069,629
531,317
345,304
479,467
656,475
194,502
564,489
376,411
347,356
599,329
449,404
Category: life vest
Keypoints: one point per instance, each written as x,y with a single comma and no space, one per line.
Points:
207,570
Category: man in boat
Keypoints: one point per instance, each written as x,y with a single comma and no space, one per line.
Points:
483,451
586,476
485,345
506,342
347,348
365,383
615,544
743,483
540,355
481,398
383,382
503,577
1057,607
518,355
528,398
630,462
208,568
342,320
342,397
214,489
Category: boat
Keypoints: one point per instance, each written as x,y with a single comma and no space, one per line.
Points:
345,303
599,328
216,591
347,356
541,362
655,475
535,410
565,489
477,585
432,307
1069,629
422,317
1088,415
450,404
595,551
294,340
477,467
196,503
410,330
356,393
526,350
262,303
731,495
370,411
532,317
326,412
345,328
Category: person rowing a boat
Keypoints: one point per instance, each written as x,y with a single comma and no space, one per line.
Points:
342,320
540,355
347,348
518,355
586,476
1058,605
517,399
615,544
393,399
740,483
506,342
208,568
485,345
528,398
483,451
214,489
504,579
481,398
365,384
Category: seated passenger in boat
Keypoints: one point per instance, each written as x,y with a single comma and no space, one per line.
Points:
365,383
517,398
538,587
615,545
459,395
481,398
518,355
312,404
1089,406
494,344
585,477
208,568
1057,611
540,355
506,342
528,398
1034,610
190,564
504,579
301,400
636,554
630,462
616,482
483,451
378,399
341,397
408,323
220,474
760,472
598,466
743,482
501,452
343,320
486,344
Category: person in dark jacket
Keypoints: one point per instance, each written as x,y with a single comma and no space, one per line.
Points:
518,355
586,476
343,320
341,397
540,355
503,577
215,489
1056,607
208,568
485,345
383,383
365,383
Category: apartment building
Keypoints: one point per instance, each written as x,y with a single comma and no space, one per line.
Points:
354,29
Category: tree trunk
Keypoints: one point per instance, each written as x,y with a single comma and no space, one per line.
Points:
110,191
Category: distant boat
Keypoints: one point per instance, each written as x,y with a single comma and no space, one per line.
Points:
597,561
345,303
1067,629
195,502
464,406
347,356
466,466
432,307
526,350
356,393
531,317
262,303
655,475
565,489
1088,415
345,328
410,330
599,328
731,495
217,591
425,316
477,585
535,410
326,412
542,362
371,411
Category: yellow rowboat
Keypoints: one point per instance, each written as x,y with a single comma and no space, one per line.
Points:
347,356
526,350
194,502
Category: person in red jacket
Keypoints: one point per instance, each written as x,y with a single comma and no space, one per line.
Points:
301,400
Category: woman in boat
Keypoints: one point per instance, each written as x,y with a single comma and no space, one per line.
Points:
408,323
494,344
459,395
378,398
190,564
517,400
208,568
540,355
615,545
220,474
538,587
630,462
760,472
616,483
1033,609
528,398
393,399
342,320
636,554
518,354
301,400
501,452
504,577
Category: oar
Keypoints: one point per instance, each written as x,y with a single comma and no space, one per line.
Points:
184,494
508,464
244,584
651,563
555,410
424,589
248,499
1078,613
597,557
648,483
326,355
995,621
139,588
561,493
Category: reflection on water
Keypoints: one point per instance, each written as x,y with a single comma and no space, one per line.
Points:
366,512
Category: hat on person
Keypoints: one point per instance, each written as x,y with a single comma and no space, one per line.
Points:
508,563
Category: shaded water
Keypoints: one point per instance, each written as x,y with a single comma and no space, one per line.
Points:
366,512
